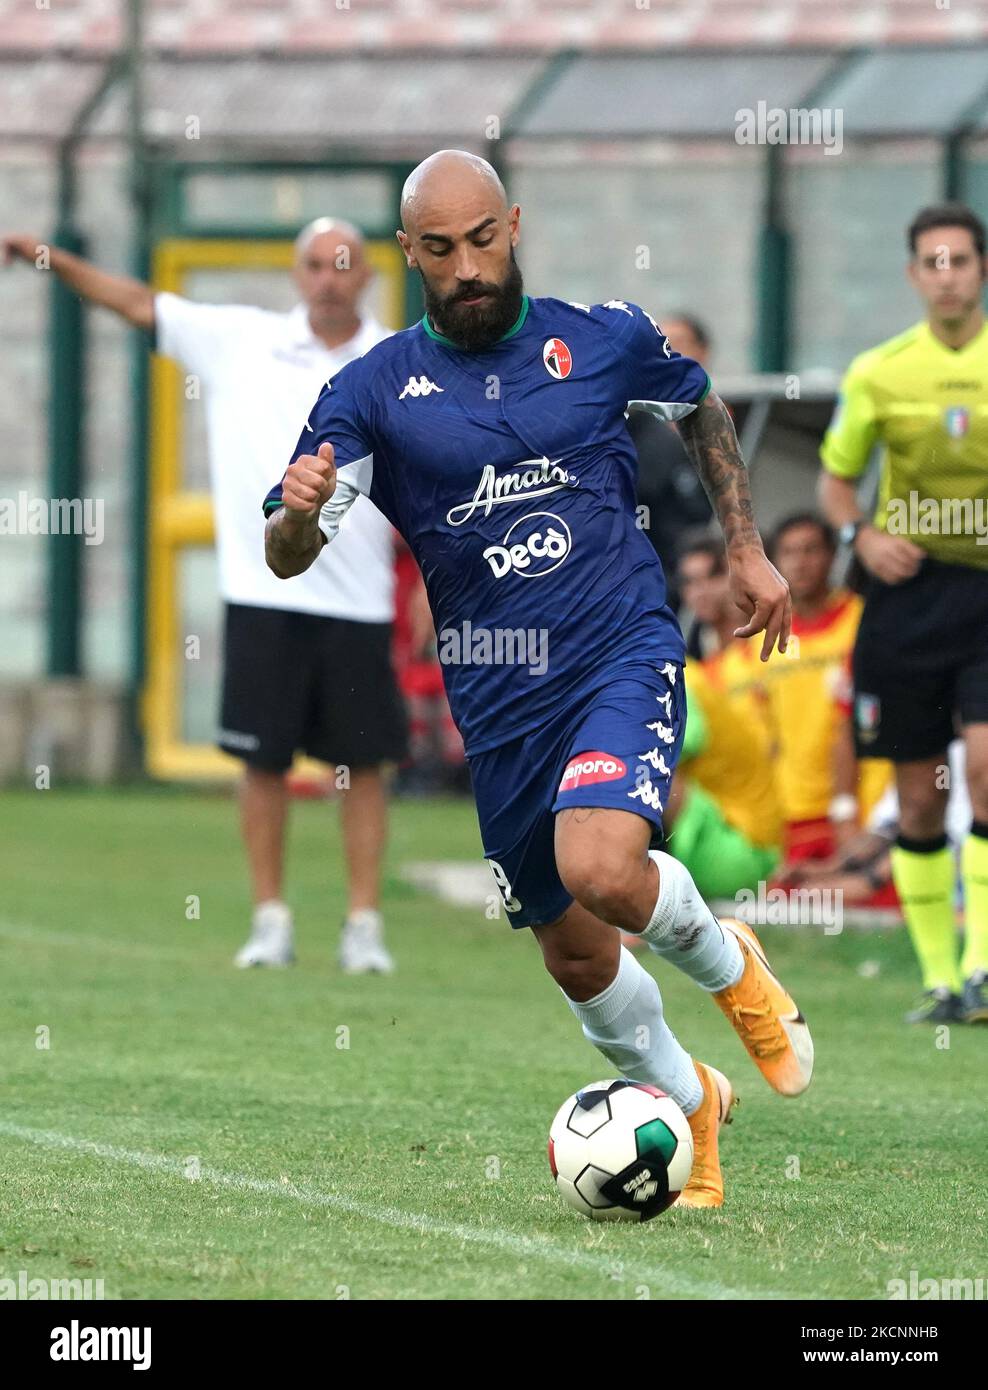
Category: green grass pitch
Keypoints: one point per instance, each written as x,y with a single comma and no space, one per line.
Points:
410,1163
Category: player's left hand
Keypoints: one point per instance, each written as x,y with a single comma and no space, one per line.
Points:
759,590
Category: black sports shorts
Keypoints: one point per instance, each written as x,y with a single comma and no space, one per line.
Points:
307,683
921,662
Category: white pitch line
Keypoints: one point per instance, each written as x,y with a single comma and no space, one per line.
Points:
660,1281
39,936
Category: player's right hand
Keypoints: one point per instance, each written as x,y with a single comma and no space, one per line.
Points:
19,247
892,559
309,483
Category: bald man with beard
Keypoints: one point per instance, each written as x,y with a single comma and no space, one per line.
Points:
493,435
305,668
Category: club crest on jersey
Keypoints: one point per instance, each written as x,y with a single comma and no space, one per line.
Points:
957,421
557,358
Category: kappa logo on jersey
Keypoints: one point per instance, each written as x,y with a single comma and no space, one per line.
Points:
538,477
589,768
535,545
419,386
557,358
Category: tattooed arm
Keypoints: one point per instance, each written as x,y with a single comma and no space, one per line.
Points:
709,438
757,588
290,545
292,537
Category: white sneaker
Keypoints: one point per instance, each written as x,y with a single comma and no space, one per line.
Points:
271,938
362,947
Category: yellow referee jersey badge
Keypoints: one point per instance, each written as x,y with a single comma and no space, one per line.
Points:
867,716
957,421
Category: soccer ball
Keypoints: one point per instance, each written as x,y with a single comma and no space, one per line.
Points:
620,1151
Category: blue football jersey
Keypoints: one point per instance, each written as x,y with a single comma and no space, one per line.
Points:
511,475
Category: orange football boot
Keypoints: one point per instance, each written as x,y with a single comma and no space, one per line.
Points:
766,1019
706,1186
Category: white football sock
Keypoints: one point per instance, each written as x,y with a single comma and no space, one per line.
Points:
273,914
683,930
625,1023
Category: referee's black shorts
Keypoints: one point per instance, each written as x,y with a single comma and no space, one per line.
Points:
300,682
921,662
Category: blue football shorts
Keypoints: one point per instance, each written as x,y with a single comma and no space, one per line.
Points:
616,747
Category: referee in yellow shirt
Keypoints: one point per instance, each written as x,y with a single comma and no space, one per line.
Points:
921,654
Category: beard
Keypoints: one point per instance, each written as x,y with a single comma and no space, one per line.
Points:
474,327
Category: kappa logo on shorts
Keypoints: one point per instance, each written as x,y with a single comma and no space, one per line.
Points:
647,793
655,759
589,768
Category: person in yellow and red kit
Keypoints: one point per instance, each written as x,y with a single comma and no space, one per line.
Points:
826,794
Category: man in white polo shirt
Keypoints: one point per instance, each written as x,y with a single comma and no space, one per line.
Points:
306,666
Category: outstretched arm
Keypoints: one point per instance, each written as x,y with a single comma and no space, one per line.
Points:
757,587
131,299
